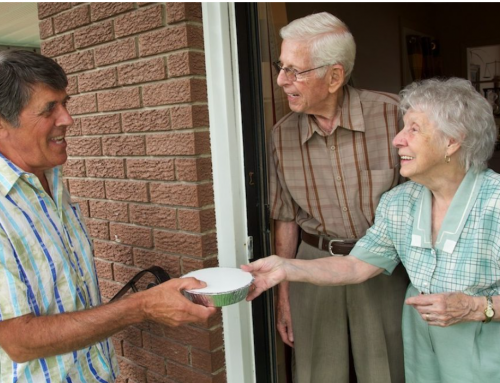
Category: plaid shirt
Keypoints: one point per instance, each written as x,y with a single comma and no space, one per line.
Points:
466,254
46,267
331,184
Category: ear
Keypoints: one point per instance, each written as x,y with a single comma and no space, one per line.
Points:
336,77
4,128
453,146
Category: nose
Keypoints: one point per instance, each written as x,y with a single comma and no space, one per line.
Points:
282,79
400,140
64,118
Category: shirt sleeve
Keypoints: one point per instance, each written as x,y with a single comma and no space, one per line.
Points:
377,247
282,205
14,292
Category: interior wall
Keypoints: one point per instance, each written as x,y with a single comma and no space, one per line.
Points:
377,31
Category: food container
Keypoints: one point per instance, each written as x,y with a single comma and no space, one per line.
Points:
225,286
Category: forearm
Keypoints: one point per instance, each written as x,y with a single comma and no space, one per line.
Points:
331,271
28,337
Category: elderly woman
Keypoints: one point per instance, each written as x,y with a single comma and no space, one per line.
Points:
443,226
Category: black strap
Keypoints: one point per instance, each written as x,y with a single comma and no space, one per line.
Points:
159,274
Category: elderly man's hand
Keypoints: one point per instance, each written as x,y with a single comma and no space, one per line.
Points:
268,272
446,309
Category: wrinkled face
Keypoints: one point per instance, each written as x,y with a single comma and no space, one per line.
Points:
38,143
421,149
309,94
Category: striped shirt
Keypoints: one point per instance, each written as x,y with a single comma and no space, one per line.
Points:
47,267
466,254
331,184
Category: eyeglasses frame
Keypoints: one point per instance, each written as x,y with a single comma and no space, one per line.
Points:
279,68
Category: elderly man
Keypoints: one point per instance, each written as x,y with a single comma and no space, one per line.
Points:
53,327
331,161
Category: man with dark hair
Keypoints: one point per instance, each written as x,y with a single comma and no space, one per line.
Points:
53,327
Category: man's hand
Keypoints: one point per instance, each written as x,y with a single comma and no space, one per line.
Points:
267,272
284,316
447,309
167,305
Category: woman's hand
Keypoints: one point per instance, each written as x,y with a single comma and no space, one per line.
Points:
447,309
268,272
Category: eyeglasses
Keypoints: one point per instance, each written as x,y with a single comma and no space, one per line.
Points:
292,74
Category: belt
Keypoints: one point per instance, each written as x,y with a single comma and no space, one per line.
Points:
334,246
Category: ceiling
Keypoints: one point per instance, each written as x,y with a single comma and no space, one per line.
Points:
19,24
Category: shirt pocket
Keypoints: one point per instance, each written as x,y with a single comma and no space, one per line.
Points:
374,183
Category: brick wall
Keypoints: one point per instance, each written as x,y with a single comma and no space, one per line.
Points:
139,163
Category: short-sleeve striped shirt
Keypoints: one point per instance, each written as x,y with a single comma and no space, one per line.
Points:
331,184
466,254
47,267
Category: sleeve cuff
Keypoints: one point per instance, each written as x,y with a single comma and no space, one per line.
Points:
374,259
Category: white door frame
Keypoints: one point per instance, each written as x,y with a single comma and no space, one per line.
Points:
219,30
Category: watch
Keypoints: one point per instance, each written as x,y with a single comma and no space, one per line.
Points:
488,311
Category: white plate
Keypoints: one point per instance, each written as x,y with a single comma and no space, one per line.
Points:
220,279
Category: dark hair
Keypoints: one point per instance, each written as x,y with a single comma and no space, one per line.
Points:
19,72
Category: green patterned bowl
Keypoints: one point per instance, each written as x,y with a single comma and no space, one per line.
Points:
225,286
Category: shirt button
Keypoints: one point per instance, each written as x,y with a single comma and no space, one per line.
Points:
433,252
339,178
332,147
426,283
42,194
344,208
353,237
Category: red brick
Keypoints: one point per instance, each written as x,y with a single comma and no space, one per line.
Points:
123,145
74,18
161,169
105,168
187,244
126,98
109,289
141,71
82,104
49,9
104,269
94,34
131,334
208,361
58,45
155,378
74,168
98,228
102,124
127,191
181,194
75,129
101,11
180,144
130,370
131,234
77,62
183,12
166,348
86,188
138,21
147,258
191,116
170,39
144,358
121,50
83,146
113,252
175,92
199,338
96,80
190,264
110,210
146,120
46,29
185,64
153,216
193,169
82,203
196,220
72,87
124,274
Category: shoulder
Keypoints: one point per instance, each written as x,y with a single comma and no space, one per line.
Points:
491,184
406,193
287,120
371,96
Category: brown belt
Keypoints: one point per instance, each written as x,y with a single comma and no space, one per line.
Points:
334,246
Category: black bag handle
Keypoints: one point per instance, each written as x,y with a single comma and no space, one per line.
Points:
159,274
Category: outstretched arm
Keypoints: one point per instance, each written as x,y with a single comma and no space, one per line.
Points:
28,337
332,271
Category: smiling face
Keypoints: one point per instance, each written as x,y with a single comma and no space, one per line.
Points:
421,148
38,143
310,94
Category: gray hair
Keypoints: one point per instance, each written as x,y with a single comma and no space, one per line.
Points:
458,112
20,70
330,40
